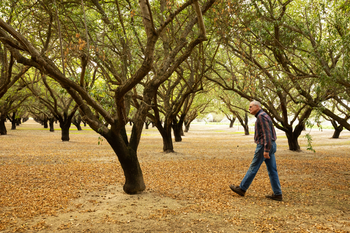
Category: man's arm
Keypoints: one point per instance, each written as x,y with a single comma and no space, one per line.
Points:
267,134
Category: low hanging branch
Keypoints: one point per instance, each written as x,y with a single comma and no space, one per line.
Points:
200,18
84,58
60,36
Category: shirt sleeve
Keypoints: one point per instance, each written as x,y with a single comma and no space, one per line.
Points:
266,131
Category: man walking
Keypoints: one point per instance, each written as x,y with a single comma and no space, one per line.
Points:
264,137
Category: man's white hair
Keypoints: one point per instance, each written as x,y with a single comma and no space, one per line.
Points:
257,103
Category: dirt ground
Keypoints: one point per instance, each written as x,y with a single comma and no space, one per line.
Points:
51,186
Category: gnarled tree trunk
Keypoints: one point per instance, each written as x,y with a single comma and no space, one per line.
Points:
232,121
3,130
77,124
147,123
77,121
293,141
246,129
168,146
244,122
177,128
134,182
45,122
337,129
65,125
51,124
165,132
187,126
177,132
13,121
293,136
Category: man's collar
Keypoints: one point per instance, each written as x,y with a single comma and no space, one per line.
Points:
256,115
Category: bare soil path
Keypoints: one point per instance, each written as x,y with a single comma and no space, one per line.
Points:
51,186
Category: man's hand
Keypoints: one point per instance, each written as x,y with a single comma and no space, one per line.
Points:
266,155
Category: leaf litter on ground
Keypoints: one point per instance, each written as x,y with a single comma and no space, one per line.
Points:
42,176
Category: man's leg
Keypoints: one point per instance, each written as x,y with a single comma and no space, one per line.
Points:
254,168
272,171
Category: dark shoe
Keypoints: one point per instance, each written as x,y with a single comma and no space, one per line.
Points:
274,197
237,190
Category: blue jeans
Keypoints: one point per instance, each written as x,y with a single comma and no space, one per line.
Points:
271,169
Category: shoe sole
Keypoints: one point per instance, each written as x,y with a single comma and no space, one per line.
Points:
236,191
274,199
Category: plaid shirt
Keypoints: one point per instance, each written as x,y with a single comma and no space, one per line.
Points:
264,131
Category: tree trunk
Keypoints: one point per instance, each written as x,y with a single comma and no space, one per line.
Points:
77,121
134,182
337,129
3,130
177,128
246,129
231,124
13,125
337,132
65,125
18,121
167,140
77,124
293,139
13,121
45,123
293,143
147,123
177,133
292,135
165,132
187,126
244,122
232,121
51,124
167,143
65,133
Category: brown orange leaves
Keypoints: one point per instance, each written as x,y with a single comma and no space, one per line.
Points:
186,191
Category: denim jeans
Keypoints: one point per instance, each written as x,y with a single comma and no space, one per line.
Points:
271,169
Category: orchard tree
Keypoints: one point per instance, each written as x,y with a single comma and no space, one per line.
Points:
340,107
42,115
118,39
39,112
57,101
10,103
16,116
251,65
309,42
289,55
76,120
236,107
10,72
273,91
173,96
199,107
